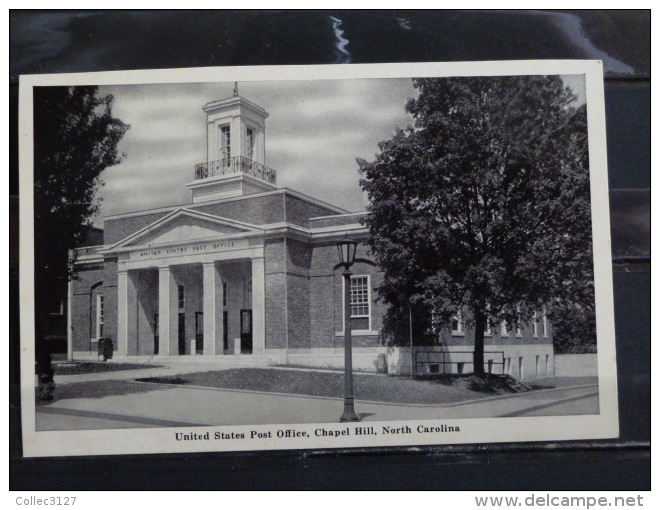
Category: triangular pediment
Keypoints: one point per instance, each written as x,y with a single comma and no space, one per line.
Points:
185,225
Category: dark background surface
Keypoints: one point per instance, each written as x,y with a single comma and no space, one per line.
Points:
77,41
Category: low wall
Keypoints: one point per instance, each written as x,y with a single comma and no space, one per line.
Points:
576,365
522,361
364,358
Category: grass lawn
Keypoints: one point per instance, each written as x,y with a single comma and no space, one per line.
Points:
366,387
97,367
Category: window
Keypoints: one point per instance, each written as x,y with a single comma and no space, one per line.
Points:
505,330
488,331
225,142
545,323
535,325
359,298
518,328
224,294
182,297
457,324
249,143
360,305
99,315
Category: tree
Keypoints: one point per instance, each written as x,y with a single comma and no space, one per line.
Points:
483,205
75,139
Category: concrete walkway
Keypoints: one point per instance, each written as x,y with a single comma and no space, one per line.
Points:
160,405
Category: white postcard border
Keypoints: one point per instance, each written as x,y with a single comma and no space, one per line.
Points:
481,430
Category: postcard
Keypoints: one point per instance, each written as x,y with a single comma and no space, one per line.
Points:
315,257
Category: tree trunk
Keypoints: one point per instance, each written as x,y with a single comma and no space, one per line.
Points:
478,358
44,369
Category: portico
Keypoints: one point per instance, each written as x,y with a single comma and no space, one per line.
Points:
191,285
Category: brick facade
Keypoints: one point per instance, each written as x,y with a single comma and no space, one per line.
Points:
241,244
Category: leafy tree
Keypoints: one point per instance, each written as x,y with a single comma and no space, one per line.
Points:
574,330
75,139
483,205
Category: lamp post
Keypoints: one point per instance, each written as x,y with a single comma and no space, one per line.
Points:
346,249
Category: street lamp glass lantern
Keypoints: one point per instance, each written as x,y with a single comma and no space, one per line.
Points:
346,249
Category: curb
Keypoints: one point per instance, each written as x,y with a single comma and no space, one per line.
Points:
340,399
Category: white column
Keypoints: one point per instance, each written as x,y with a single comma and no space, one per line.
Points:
167,313
212,306
211,141
236,133
69,322
258,306
126,311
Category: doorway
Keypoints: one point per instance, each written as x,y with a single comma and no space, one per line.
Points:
246,331
156,334
199,332
225,331
182,333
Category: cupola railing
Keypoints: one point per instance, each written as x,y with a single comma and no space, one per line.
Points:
237,164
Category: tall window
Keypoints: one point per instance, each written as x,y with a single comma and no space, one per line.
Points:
545,323
457,324
249,144
225,142
360,305
182,297
99,315
535,324
488,331
518,323
505,329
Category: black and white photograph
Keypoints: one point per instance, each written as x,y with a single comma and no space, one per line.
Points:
296,258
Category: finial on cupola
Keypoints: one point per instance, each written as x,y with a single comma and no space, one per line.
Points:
235,89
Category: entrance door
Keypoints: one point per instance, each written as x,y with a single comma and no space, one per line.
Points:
155,333
199,332
246,331
225,331
182,333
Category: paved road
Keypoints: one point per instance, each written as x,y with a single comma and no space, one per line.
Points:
138,405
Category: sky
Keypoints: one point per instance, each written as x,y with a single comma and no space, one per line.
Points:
315,131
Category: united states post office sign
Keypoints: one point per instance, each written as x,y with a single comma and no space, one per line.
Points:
189,249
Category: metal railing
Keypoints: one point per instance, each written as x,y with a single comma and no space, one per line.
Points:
237,164
443,362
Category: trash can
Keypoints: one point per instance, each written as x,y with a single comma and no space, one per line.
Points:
105,349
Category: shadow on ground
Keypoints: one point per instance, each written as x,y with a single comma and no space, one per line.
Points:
98,389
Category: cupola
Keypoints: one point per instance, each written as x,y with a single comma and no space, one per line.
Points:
236,151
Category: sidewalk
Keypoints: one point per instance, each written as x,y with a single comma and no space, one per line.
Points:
132,404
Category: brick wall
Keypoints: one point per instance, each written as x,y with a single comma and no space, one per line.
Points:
496,338
335,221
83,306
110,293
120,228
258,210
275,261
298,262
327,299
299,211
